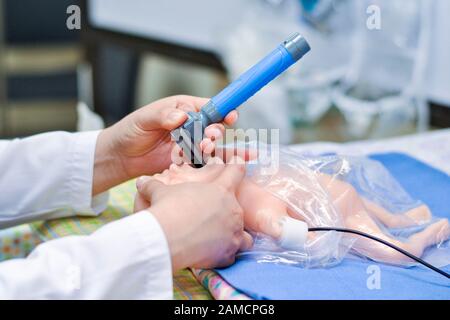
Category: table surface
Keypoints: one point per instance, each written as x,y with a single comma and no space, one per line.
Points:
431,147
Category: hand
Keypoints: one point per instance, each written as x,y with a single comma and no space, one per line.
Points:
140,144
203,222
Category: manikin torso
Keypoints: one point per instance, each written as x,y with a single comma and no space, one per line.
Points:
263,212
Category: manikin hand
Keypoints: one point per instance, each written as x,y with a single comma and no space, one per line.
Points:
140,144
203,221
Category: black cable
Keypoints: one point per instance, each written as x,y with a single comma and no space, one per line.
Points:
363,234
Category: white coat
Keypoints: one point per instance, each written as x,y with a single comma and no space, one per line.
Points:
49,176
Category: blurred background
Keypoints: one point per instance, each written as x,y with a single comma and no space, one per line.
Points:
378,68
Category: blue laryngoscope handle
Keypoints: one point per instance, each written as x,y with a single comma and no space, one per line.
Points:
240,90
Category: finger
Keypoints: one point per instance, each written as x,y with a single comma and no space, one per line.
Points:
172,119
174,110
225,262
141,181
179,100
140,203
215,131
207,146
214,161
246,241
149,188
245,153
196,102
160,115
231,118
187,108
176,155
232,174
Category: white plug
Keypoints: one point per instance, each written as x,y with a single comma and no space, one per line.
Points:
294,234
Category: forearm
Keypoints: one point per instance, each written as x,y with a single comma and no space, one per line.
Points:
126,259
47,176
108,166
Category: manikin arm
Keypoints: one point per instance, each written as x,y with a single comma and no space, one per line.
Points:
265,213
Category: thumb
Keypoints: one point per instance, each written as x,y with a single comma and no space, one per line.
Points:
160,117
173,120
232,175
140,203
148,188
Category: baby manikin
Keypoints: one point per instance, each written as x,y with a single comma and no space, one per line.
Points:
283,205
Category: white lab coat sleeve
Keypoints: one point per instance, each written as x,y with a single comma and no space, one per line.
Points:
126,259
48,176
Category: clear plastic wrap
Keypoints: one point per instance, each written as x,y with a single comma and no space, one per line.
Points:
336,191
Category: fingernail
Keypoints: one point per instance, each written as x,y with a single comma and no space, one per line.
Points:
214,133
209,148
176,115
140,182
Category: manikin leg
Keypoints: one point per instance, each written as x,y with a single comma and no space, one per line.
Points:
415,216
356,216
